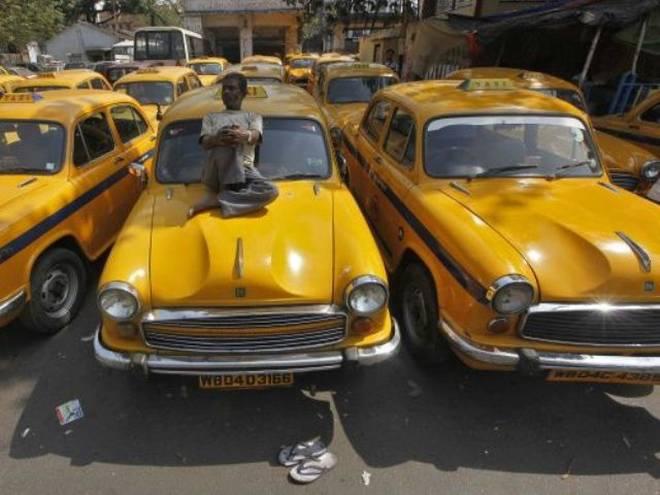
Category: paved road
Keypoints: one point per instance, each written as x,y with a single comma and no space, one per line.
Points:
415,431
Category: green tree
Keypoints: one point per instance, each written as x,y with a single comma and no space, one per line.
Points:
23,21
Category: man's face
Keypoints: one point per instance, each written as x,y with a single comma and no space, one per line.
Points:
232,96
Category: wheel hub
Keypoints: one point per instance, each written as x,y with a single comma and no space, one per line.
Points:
58,290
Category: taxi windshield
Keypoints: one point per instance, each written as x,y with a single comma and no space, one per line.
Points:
181,157
257,81
509,146
356,89
31,147
149,92
37,89
302,63
206,69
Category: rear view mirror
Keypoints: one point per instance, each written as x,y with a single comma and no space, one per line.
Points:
343,166
159,112
337,137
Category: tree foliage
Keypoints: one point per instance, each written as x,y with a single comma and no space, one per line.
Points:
23,21
157,12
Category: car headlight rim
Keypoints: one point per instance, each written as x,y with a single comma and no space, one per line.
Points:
361,283
505,285
651,170
124,287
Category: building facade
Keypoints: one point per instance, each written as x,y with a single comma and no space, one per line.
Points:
239,28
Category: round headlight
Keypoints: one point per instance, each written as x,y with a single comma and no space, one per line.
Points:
651,170
511,294
366,295
118,301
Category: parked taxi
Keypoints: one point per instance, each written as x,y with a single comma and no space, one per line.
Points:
641,125
323,60
156,88
246,301
258,74
262,59
7,82
66,79
298,69
630,166
506,239
208,68
66,191
347,88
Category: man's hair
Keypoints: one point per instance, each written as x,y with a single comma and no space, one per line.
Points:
242,80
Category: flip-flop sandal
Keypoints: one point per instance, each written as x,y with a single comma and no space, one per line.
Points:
293,454
312,469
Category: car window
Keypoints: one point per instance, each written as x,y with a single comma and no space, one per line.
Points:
148,92
375,121
652,115
92,139
97,83
128,122
194,83
400,140
83,85
30,146
356,89
181,86
207,68
37,89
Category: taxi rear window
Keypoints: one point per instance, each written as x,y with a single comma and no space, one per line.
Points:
356,89
37,89
149,92
290,149
206,69
302,63
31,147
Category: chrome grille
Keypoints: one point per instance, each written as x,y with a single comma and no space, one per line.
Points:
594,325
229,331
625,180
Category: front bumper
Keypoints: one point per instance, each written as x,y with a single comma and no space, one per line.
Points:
247,364
530,360
10,307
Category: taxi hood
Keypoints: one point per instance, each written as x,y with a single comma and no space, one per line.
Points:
282,254
571,232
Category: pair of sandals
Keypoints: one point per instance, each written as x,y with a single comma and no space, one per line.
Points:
308,460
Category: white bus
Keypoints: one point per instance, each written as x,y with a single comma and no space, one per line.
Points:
167,45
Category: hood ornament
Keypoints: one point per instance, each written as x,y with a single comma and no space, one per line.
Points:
642,255
238,259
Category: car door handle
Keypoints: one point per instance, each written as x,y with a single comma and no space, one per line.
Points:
120,159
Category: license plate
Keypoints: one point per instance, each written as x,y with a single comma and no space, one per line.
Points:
603,377
654,193
246,381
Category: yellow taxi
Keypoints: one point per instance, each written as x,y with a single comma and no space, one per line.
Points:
67,187
156,88
504,236
322,61
347,88
8,81
298,69
66,79
640,125
256,74
262,59
208,68
246,301
630,166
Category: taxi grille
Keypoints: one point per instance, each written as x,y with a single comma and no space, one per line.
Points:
625,180
620,327
246,333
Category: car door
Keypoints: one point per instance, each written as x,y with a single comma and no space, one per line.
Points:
396,175
100,169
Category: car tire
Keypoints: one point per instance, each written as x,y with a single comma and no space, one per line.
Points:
418,316
57,287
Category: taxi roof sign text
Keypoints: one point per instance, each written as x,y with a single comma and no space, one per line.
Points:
487,85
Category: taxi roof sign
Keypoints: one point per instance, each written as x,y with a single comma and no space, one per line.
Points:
148,70
249,67
487,85
46,75
21,98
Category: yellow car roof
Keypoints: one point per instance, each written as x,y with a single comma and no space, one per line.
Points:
261,59
10,78
208,60
63,106
255,71
521,77
357,69
69,78
268,100
430,99
160,73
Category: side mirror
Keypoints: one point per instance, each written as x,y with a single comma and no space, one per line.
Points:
343,166
138,170
159,112
337,137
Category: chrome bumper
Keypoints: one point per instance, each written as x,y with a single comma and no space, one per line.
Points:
247,364
550,360
12,305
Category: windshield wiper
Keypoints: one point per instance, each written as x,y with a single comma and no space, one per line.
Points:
296,176
500,170
559,171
